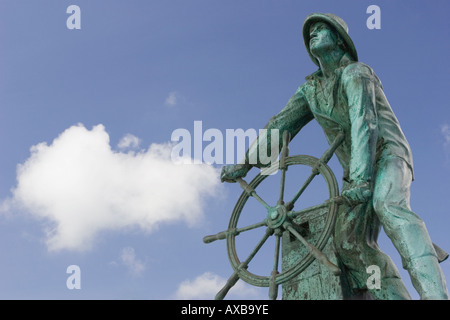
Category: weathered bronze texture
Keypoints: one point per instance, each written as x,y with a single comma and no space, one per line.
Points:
347,99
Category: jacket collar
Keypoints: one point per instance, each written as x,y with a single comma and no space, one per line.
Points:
345,61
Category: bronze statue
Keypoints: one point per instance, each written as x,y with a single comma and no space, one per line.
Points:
345,96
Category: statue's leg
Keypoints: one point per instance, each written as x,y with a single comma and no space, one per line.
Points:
407,230
355,240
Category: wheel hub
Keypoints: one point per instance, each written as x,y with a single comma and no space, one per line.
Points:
276,216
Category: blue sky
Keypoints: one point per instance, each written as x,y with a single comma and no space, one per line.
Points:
86,118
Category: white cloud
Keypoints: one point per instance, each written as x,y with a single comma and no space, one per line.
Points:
172,99
206,286
129,141
81,187
134,265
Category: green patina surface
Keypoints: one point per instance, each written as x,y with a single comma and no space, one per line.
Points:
316,282
347,99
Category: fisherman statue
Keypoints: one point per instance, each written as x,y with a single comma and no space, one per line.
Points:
346,96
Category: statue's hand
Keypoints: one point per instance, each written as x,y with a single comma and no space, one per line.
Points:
359,193
231,172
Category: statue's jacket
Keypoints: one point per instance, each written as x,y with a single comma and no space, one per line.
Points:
357,106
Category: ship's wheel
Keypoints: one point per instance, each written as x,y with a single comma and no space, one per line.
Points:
279,218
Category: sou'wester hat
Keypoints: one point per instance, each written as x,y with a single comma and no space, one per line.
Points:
337,23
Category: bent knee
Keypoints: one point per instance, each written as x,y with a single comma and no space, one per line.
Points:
395,215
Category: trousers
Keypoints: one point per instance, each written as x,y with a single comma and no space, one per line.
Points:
356,233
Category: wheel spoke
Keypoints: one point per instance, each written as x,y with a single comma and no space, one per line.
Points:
277,250
304,186
294,214
273,290
230,283
234,231
244,265
283,166
334,145
282,184
251,227
250,191
315,252
315,171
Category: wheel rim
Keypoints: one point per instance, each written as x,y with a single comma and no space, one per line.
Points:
276,223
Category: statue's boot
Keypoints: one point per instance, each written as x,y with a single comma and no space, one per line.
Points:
427,278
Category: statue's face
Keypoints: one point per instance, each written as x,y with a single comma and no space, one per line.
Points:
322,38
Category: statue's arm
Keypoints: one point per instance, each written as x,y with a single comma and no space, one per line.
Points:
359,85
294,116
